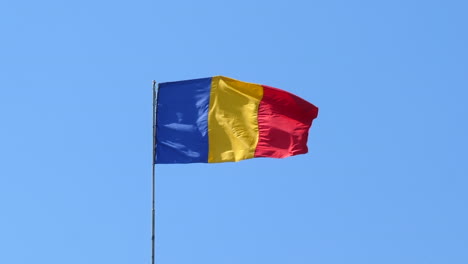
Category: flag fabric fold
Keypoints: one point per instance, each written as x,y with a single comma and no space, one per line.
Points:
220,119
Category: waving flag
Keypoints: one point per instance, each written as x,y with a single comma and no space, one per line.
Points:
220,119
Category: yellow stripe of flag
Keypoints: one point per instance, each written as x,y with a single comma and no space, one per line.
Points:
232,119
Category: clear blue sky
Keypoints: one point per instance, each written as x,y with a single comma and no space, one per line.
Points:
385,180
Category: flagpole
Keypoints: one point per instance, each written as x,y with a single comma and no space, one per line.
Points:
153,180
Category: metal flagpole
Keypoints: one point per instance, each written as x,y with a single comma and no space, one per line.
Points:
153,180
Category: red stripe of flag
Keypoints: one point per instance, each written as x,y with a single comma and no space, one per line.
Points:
284,120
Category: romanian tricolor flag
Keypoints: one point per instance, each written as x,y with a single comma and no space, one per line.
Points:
220,119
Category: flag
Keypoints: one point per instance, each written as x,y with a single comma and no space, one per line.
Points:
219,119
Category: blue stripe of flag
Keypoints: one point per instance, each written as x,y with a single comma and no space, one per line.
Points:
182,121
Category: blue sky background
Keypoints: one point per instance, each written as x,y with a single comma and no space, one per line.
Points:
385,180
